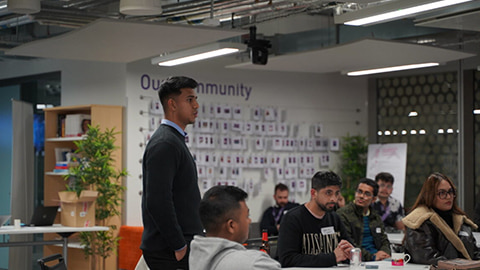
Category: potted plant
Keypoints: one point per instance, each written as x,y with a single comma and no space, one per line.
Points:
353,163
95,171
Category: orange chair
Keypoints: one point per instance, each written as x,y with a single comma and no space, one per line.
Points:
129,251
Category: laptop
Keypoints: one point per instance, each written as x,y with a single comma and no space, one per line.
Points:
43,216
4,219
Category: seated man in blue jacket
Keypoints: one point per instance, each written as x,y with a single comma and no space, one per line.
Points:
364,226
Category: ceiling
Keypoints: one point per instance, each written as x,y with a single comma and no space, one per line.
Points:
122,42
346,57
96,30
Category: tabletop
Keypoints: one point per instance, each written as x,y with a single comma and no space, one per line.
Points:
382,265
55,228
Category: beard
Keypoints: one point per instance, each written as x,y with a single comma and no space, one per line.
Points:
325,207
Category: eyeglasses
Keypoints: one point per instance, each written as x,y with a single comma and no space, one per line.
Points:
366,193
385,186
442,194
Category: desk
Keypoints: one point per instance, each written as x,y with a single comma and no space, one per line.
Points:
382,265
63,231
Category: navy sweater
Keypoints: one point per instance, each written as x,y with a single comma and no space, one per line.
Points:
171,196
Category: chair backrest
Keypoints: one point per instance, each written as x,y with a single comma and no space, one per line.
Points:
254,230
60,265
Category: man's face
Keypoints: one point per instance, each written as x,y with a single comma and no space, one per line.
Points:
327,197
242,220
185,107
281,197
364,195
384,189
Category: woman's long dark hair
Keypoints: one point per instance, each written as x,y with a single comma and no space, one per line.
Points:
429,191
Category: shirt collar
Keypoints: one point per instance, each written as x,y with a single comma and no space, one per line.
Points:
175,126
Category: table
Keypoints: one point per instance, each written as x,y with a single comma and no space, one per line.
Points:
382,265
63,231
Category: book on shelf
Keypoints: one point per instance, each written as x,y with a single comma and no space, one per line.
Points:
61,125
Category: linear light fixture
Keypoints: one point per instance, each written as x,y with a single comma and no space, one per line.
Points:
390,69
391,11
198,53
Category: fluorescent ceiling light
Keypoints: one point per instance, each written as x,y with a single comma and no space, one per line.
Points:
476,111
198,53
412,114
390,69
391,11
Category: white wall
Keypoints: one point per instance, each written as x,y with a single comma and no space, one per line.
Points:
336,101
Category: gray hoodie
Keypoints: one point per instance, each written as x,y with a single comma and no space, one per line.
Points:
213,253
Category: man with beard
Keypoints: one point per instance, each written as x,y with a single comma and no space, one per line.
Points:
273,215
364,225
312,234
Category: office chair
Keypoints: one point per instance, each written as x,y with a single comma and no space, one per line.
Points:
59,266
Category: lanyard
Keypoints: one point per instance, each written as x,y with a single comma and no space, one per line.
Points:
277,214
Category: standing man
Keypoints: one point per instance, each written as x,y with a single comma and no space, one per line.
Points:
273,215
225,216
171,196
387,207
364,225
312,235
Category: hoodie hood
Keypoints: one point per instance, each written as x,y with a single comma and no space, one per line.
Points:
207,252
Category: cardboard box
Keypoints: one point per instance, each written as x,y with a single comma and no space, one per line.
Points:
78,211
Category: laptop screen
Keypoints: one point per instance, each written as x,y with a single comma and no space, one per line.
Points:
44,215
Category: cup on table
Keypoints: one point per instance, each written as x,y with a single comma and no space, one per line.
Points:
17,224
399,259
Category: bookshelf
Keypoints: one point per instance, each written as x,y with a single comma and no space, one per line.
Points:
105,116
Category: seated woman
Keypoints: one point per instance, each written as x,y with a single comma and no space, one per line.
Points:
437,229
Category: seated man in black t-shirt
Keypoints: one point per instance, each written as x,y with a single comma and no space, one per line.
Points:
313,234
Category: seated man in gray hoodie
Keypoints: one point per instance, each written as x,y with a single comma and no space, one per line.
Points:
225,217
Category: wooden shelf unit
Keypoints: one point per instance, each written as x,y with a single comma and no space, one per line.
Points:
105,116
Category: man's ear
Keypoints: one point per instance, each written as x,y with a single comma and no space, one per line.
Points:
172,104
231,226
313,192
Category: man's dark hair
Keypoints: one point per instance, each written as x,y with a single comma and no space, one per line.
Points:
218,205
281,187
171,87
384,176
371,183
323,179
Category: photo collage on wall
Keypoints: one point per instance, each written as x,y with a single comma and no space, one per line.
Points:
229,141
